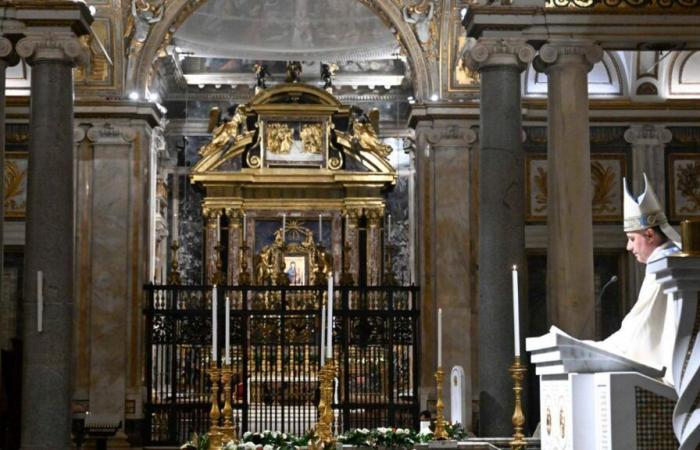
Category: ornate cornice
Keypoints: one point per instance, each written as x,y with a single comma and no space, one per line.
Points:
556,54
499,52
52,46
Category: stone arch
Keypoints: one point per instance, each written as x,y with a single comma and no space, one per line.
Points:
140,65
683,75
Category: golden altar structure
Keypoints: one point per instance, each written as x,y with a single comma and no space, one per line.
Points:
294,185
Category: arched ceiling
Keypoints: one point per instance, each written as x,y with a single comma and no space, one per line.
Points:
284,30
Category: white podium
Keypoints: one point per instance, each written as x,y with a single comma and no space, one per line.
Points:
591,399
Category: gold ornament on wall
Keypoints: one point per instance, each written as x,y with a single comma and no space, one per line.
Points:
279,138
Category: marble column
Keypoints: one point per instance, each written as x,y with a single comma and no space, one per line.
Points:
374,245
648,145
212,227
6,49
351,252
570,288
48,355
109,215
501,220
235,240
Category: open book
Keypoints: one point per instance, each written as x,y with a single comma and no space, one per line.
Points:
558,353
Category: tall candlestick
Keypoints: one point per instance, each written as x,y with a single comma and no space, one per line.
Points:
284,226
320,229
39,301
323,335
227,357
244,227
213,325
516,312
329,324
439,338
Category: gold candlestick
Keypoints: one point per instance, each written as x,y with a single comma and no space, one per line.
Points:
440,432
517,372
214,413
323,433
174,277
227,431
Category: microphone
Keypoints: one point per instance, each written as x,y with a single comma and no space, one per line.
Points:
599,306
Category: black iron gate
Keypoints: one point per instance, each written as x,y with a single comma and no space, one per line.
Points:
275,355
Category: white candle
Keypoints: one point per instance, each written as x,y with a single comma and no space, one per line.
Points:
227,358
439,338
516,312
176,227
320,229
218,230
329,324
323,335
213,324
284,226
388,228
39,301
244,230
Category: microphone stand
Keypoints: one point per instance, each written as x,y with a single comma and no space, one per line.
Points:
599,308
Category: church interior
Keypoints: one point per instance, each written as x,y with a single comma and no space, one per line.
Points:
228,219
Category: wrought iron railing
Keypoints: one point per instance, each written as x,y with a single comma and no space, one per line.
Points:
275,350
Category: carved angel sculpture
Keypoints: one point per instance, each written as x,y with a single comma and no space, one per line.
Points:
225,132
420,16
366,136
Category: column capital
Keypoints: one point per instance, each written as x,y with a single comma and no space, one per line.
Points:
6,47
374,216
449,134
234,215
108,134
52,46
556,54
499,52
648,134
211,215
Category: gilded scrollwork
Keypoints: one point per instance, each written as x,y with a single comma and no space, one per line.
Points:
604,179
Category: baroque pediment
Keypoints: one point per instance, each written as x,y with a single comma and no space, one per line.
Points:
294,129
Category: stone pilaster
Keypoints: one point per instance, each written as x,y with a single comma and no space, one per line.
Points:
501,219
374,245
570,288
212,226
110,215
442,156
48,355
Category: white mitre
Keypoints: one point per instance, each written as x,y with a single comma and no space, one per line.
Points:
646,212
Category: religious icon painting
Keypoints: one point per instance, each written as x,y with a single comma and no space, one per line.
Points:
607,171
684,185
295,268
15,185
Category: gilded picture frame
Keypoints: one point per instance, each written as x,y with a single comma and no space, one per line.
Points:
295,142
683,171
607,171
15,185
